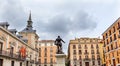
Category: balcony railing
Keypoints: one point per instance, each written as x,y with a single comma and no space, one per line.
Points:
11,55
98,53
98,58
86,59
86,53
31,61
93,58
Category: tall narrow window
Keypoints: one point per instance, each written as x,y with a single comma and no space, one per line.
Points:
118,25
98,62
51,60
111,47
93,62
74,46
79,57
1,45
109,32
45,60
113,29
79,46
106,35
80,52
20,63
92,46
114,36
110,39
74,51
12,63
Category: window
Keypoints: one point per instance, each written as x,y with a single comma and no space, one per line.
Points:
98,56
109,32
12,63
39,60
107,41
108,49
85,46
92,51
97,51
20,63
116,45
74,46
79,57
39,52
93,62
1,45
80,52
98,62
86,56
118,60
79,46
45,65
118,25
51,60
111,47
51,65
106,35
114,36
110,39
92,46
74,51
85,51
117,53
45,60
113,29
97,46
93,56
45,52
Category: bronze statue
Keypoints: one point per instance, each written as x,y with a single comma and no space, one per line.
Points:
58,43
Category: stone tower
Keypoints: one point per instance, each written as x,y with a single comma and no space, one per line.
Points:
29,34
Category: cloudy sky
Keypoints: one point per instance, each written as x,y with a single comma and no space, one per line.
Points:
68,18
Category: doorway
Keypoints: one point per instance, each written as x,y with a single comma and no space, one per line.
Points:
86,63
1,62
114,62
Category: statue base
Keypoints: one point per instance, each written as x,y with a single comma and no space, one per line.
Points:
60,59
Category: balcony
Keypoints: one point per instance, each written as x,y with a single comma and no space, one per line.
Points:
11,55
98,59
98,53
86,47
93,58
31,61
86,59
86,53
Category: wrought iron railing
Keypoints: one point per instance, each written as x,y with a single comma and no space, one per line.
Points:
11,55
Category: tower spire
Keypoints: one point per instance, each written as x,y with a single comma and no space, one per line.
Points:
29,17
29,21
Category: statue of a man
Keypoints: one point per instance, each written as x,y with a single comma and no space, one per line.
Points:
59,45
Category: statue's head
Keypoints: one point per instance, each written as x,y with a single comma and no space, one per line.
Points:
58,36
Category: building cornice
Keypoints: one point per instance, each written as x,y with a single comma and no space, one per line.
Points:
14,36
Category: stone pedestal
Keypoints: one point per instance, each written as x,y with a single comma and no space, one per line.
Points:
60,59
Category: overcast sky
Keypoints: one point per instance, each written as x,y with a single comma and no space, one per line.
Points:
68,18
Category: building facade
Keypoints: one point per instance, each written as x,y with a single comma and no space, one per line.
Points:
18,49
111,39
84,52
47,52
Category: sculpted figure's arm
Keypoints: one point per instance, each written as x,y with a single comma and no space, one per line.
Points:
63,41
